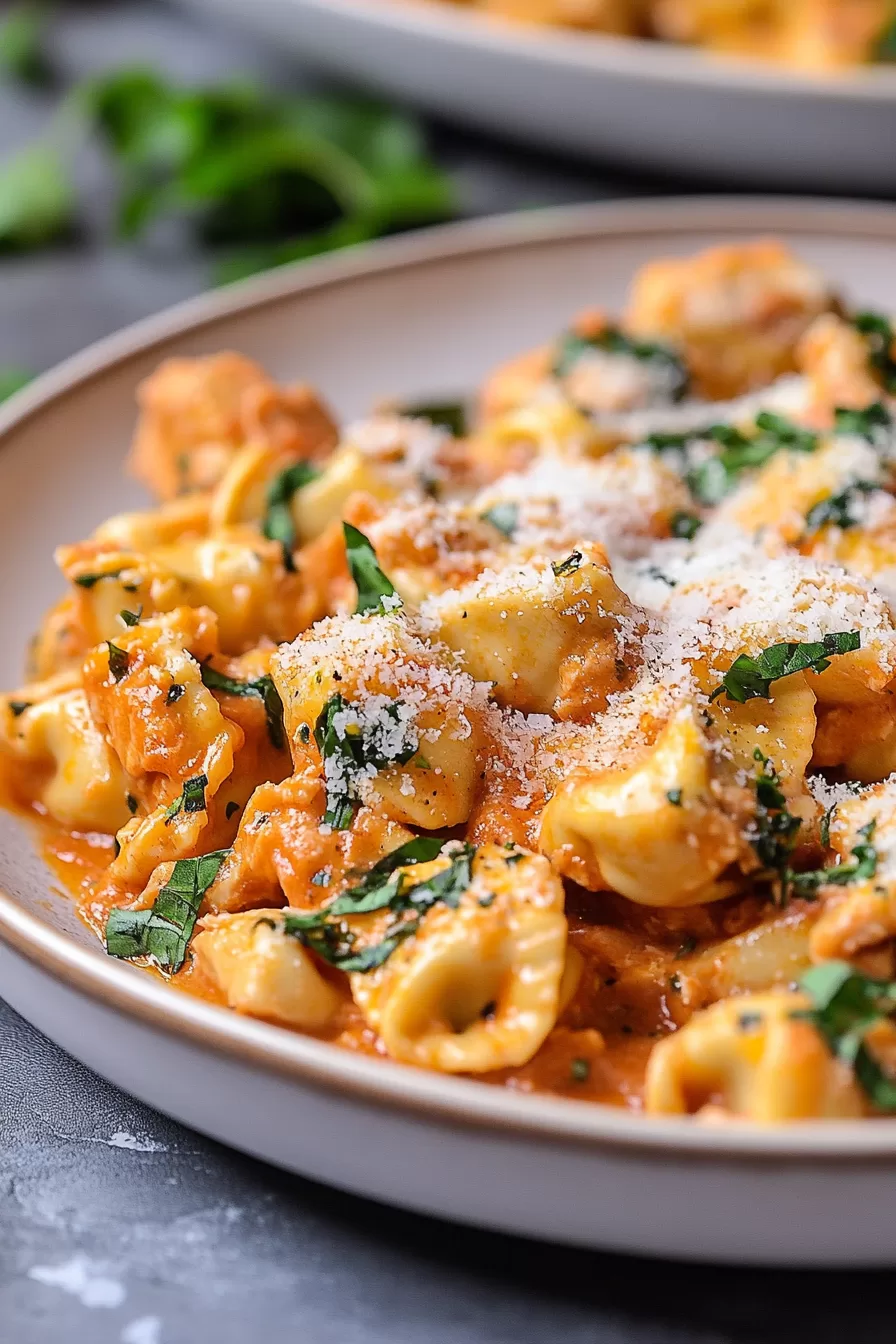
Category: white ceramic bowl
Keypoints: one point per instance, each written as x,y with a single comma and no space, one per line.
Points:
647,103
412,317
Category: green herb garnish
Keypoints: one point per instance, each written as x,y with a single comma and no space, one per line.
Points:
751,678
263,687
131,618
685,525
325,932
22,51
119,661
668,365
18,707
674,797
372,584
91,580
775,827
192,798
567,566
863,867
348,752
278,523
885,45
878,333
840,510
866,424
37,204
450,415
164,931
846,1004
713,479
579,1070
505,517
131,802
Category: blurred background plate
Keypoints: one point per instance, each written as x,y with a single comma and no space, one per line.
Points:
656,105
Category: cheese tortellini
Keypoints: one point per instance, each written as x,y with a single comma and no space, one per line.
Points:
551,743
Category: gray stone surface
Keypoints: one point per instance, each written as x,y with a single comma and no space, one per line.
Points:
118,1226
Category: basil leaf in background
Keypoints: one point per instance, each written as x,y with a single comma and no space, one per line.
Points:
91,580
878,332
278,524
262,686
164,932
12,380
572,347
281,177
504,517
22,51
372,584
37,203
750,678
871,423
841,510
450,415
846,1005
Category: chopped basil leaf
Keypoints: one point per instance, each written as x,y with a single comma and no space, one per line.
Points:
231,809
866,424
864,867
90,580
674,797
131,618
840,510
325,932
164,931
132,803
572,347
450,415
23,54
775,827
579,1070
278,523
504,517
687,947
567,566
846,1004
751,678
878,333
192,798
713,479
685,525
372,584
321,878
175,691
119,661
347,753
885,45
262,686
18,707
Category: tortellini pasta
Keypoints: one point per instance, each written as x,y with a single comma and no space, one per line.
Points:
552,744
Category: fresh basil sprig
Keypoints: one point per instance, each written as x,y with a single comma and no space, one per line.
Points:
845,1005
263,687
372,584
750,678
325,932
449,415
164,931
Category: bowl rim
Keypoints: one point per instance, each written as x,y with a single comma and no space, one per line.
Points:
378,1081
628,57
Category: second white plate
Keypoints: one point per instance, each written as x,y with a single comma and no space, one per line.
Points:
646,103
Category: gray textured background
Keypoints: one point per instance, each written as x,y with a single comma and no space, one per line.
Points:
120,1227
